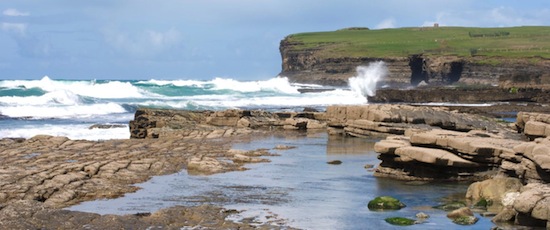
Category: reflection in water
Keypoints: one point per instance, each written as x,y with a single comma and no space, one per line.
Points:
298,186
337,144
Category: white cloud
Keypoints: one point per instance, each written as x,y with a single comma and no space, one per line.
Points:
144,44
164,39
506,16
491,17
14,13
387,23
17,28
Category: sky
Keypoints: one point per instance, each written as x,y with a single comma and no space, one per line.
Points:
204,39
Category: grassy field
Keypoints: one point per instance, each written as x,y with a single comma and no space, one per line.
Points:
511,42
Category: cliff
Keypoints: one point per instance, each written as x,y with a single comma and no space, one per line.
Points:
518,56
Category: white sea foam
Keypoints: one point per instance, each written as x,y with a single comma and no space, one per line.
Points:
367,77
75,132
345,97
174,82
278,84
455,104
111,89
59,97
50,111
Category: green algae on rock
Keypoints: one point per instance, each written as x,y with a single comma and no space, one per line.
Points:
385,203
400,221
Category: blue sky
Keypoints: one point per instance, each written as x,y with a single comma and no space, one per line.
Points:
184,39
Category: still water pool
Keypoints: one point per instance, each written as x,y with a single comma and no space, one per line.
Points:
298,187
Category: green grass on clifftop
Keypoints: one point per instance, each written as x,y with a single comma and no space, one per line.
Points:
510,42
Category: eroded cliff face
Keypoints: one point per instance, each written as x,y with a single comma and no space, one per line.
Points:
313,66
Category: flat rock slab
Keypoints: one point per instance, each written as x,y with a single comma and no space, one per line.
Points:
433,156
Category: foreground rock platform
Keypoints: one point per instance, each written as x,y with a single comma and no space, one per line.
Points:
42,174
60,172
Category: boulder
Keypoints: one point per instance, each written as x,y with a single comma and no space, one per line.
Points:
493,189
533,124
530,196
462,216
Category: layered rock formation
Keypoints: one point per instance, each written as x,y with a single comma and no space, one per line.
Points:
533,124
442,155
310,66
160,123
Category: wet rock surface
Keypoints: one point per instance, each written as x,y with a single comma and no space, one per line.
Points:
40,175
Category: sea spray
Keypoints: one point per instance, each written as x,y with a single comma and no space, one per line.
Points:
367,77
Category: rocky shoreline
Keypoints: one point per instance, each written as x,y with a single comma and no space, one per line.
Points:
43,174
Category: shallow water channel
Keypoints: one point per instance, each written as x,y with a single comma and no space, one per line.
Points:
298,187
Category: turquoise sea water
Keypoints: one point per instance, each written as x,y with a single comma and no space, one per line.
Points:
69,107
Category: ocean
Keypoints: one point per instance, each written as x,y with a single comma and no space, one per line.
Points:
71,107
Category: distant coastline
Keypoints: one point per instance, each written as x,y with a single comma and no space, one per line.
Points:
433,55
